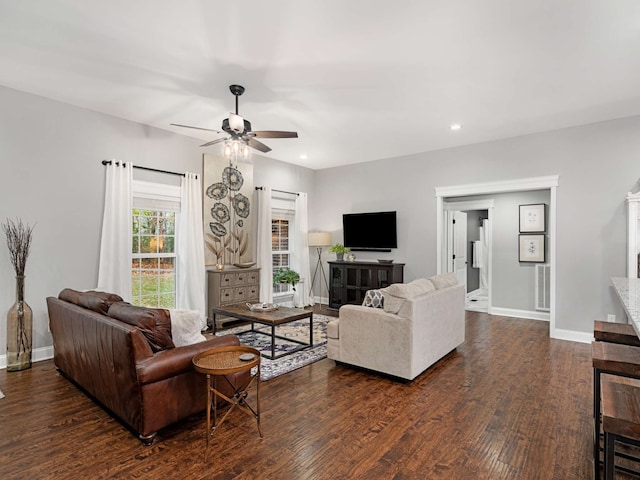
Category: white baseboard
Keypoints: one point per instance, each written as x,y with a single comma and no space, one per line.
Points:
320,300
512,312
557,333
572,335
37,355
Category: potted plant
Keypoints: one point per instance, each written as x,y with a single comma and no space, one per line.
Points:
339,250
286,275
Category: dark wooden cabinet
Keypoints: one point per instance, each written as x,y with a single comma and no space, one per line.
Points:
349,281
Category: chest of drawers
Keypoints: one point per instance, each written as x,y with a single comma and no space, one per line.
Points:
231,285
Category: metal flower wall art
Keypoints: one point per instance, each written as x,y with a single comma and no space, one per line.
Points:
227,210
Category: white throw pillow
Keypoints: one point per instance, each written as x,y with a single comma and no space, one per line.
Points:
185,327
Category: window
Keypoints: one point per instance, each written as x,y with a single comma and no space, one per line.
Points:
153,253
153,269
281,223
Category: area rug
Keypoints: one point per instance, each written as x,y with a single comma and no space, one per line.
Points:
298,330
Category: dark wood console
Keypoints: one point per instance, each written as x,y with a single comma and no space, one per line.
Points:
349,281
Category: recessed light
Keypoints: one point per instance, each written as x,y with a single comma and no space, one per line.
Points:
303,156
455,126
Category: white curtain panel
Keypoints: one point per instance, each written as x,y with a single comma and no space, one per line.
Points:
300,258
114,269
190,269
264,257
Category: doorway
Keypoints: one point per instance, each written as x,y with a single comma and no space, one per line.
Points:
445,194
468,249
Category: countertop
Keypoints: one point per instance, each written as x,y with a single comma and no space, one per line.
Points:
628,291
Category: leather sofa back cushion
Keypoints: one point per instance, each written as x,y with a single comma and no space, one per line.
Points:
154,323
93,300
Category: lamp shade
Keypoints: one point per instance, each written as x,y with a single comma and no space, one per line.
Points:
319,239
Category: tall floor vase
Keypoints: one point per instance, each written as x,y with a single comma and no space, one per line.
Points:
19,331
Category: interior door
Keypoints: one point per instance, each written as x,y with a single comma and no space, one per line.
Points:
459,256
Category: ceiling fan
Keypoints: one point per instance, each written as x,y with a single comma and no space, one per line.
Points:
239,129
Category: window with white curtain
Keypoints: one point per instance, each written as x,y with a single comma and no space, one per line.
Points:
153,268
281,245
283,214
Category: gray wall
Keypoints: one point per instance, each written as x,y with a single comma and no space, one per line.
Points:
513,282
51,175
597,165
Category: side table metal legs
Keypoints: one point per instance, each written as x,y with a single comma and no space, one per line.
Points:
239,399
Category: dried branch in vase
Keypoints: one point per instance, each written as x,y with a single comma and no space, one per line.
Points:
19,242
20,315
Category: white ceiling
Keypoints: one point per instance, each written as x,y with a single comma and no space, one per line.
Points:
358,80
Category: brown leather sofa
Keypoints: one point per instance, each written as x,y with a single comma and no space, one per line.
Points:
122,366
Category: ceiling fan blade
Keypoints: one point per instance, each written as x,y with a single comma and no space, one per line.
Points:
213,142
273,134
253,143
196,128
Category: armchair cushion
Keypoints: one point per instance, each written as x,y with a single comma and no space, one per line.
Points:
332,329
397,294
444,280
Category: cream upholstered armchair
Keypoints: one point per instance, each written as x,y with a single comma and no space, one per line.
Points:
418,324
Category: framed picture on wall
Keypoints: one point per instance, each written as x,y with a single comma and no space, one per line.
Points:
531,248
532,218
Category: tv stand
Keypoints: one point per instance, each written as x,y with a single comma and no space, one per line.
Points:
349,281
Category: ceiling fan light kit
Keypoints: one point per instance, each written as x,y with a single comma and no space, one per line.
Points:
241,138
233,148
236,123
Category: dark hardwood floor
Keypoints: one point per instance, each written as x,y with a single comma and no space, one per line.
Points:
510,403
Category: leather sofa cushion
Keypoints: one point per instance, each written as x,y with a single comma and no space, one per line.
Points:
93,300
154,323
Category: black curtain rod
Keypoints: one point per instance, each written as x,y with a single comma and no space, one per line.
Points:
109,162
281,191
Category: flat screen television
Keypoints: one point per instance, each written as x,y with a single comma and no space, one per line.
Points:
375,231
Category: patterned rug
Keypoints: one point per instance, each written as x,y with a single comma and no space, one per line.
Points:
298,330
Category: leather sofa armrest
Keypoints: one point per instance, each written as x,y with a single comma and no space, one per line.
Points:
174,361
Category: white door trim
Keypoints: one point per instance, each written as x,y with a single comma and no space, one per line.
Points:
517,185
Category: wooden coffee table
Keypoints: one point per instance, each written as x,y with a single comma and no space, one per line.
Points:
277,317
